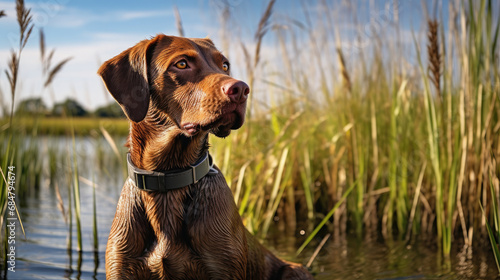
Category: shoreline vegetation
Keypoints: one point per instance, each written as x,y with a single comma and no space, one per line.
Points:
59,126
402,146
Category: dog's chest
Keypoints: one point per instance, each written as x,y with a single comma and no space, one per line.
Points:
185,225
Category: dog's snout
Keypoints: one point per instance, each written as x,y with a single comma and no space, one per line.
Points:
236,91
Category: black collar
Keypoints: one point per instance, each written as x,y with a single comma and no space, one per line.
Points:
170,180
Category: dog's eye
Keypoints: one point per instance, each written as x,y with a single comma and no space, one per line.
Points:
225,66
181,64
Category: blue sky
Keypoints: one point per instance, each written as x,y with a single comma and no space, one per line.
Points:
93,31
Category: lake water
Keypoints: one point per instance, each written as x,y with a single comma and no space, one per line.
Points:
44,253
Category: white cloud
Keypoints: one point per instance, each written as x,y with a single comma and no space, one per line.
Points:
131,15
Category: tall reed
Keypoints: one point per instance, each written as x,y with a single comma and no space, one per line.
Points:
76,194
21,148
7,155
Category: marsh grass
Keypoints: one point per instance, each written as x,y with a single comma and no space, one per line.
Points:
22,147
8,139
392,147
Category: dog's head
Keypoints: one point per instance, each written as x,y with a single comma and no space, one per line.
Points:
188,80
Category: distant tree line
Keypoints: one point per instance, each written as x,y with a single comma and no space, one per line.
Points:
70,107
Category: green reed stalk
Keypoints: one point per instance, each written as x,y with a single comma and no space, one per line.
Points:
239,186
76,194
70,211
325,219
115,149
393,165
493,234
276,194
360,193
307,183
443,234
401,126
94,218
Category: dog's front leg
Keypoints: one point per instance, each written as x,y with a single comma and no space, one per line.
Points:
127,240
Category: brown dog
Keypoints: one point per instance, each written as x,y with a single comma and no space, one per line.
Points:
175,91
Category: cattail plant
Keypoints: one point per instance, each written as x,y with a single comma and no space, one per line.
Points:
434,54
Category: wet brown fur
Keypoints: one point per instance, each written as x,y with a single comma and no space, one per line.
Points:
194,232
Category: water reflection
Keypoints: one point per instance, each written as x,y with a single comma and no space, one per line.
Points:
354,259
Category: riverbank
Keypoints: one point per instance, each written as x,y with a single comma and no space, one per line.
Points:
56,126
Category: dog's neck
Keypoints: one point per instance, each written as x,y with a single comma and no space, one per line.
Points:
158,144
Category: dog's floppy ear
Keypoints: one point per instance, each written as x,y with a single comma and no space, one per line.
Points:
126,78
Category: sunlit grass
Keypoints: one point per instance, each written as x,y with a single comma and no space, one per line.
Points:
408,155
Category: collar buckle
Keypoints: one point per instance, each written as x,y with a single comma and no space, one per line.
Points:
193,169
